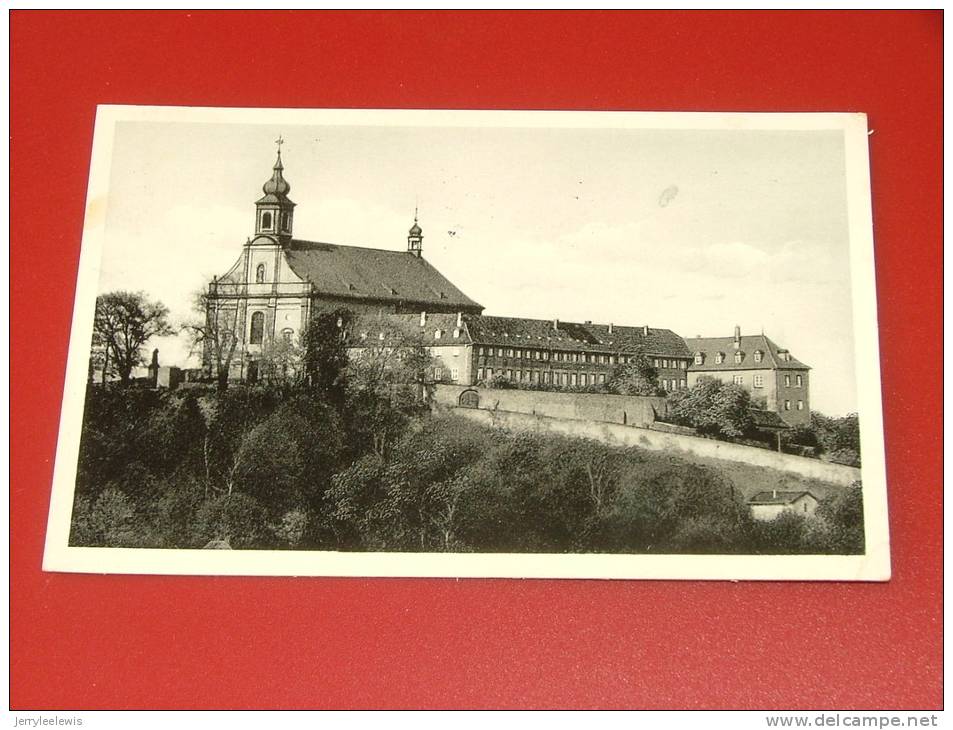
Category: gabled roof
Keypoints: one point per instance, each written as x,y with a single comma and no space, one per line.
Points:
546,333
778,497
709,347
373,273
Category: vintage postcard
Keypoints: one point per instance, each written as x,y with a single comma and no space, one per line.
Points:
457,343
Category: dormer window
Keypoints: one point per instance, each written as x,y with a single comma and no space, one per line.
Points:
260,274
456,334
720,358
437,334
699,358
758,355
739,356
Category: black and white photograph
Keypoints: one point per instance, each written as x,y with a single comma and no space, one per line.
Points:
474,344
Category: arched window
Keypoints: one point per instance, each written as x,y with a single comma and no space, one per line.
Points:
257,328
699,358
285,221
260,274
266,221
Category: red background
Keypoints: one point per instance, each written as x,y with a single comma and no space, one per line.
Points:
81,641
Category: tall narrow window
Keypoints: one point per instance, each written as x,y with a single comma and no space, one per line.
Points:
266,221
285,221
257,328
260,274
797,381
787,381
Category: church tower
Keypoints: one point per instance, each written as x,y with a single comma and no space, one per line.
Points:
274,211
415,238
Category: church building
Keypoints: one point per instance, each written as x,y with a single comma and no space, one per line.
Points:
279,280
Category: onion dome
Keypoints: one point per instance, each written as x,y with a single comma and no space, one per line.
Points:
277,185
415,230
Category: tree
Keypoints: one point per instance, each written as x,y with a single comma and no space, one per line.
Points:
280,361
324,358
637,377
839,437
123,324
214,332
720,409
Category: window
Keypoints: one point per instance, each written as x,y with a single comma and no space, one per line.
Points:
787,405
454,374
536,354
797,381
266,221
479,351
683,365
456,334
509,352
602,377
437,334
545,376
285,221
286,335
739,356
509,374
260,274
800,405
489,373
739,380
479,373
720,358
758,355
519,353
699,358
758,381
438,373
787,381
682,384
257,334
572,379
805,506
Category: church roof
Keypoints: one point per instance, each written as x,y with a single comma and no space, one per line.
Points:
711,346
373,273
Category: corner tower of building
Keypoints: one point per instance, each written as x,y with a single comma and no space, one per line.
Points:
274,212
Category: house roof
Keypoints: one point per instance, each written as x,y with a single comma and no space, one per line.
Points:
546,333
778,497
373,273
518,332
405,329
709,347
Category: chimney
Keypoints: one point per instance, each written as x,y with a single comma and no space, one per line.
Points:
645,330
737,333
423,319
459,320
556,324
610,328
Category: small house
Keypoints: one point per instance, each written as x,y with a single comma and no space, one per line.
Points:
768,505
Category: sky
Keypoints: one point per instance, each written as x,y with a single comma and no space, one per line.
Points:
691,230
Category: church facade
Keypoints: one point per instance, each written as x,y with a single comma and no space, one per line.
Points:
271,290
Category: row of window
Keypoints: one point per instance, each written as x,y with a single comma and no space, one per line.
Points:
758,380
563,378
588,357
720,357
438,374
787,405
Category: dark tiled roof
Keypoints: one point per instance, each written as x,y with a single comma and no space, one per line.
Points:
372,273
517,331
776,497
767,419
406,328
711,346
